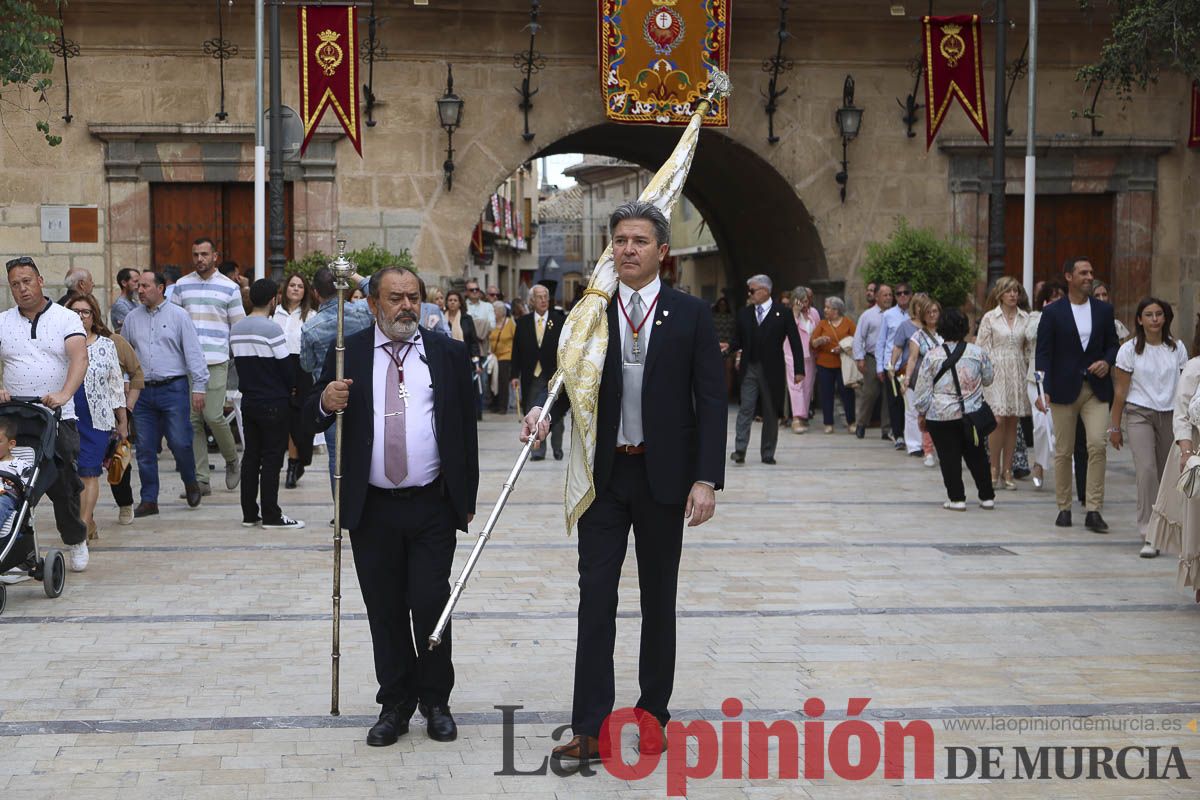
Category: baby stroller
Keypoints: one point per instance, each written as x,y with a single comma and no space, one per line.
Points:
37,431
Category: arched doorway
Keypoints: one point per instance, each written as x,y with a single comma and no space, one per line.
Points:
759,223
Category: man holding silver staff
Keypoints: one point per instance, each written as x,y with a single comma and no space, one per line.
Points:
409,482
659,459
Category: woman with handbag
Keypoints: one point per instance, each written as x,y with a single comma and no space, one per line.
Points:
120,470
1144,383
950,405
927,313
827,352
1002,337
99,404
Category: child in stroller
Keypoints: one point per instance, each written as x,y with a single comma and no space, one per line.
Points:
27,439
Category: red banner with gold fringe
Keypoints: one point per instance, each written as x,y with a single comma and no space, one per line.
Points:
953,69
1194,133
656,56
329,69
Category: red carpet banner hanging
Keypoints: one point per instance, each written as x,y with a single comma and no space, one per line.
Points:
656,55
953,69
329,69
1194,134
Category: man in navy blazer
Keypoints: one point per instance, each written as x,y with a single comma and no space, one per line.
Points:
660,440
1076,347
410,472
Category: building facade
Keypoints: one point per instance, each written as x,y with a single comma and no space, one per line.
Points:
150,164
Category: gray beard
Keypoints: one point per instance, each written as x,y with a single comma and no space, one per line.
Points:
398,331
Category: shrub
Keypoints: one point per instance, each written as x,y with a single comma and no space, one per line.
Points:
368,261
946,269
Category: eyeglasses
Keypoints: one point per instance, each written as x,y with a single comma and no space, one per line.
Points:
903,292
22,261
83,312
472,288
493,294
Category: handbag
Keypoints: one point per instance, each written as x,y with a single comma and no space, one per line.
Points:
119,460
1189,480
980,423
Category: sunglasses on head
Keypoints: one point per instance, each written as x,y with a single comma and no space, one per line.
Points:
23,261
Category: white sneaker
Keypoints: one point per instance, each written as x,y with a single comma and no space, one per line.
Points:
930,461
284,522
955,505
79,557
1148,551
987,504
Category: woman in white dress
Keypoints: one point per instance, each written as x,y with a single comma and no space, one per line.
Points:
1043,426
1175,520
1002,337
1144,383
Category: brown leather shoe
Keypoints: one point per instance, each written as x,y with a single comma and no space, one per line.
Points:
653,745
580,748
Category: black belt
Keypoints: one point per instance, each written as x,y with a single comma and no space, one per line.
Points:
407,491
165,381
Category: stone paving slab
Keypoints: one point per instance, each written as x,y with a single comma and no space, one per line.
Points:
191,660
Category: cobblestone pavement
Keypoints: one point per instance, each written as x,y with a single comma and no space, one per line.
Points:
191,660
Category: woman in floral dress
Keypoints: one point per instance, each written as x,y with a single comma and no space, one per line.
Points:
1002,337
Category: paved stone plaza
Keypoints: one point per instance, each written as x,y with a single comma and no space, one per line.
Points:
191,660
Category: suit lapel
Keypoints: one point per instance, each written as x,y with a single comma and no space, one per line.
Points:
367,368
662,316
434,352
612,358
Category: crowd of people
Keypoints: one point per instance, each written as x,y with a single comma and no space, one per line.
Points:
1025,388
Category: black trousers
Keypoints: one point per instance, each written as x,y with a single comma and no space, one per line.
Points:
298,427
266,435
603,541
895,404
953,447
403,552
64,492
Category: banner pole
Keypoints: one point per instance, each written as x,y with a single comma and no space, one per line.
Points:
1030,153
996,243
260,189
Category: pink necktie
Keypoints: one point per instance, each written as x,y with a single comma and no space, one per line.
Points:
395,454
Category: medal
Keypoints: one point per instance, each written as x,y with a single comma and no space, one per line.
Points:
637,329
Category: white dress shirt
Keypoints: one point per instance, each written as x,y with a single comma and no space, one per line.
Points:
424,462
649,293
761,311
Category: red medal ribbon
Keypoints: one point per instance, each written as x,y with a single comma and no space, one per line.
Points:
399,362
649,314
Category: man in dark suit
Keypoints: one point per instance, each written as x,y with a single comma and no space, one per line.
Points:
758,340
1076,347
660,439
407,484
535,358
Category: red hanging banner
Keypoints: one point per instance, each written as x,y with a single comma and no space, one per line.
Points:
329,69
953,69
1194,133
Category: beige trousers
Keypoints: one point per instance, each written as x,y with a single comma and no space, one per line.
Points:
1094,413
1150,438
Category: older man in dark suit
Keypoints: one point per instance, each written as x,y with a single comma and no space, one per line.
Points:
660,438
1076,347
762,328
408,483
535,358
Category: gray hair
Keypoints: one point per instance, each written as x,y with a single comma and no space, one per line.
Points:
541,286
837,303
638,209
761,280
801,290
74,277
499,307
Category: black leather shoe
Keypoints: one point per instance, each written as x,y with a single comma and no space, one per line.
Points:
290,481
193,494
390,727
769,460
860,432
1095,523
738,457
145,509
1064,518
558,455
439,724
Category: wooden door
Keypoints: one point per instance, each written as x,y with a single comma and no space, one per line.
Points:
180,213
1065,226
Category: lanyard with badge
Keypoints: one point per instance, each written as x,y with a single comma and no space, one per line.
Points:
635,330
401,389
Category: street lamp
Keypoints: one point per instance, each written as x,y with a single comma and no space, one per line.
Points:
849,120
449,108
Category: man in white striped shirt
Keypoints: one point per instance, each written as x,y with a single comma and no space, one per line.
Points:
214,303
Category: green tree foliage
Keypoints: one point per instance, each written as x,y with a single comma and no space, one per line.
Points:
1148,37
944,269
24,59
368,261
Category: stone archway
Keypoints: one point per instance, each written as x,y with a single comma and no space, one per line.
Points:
758,221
